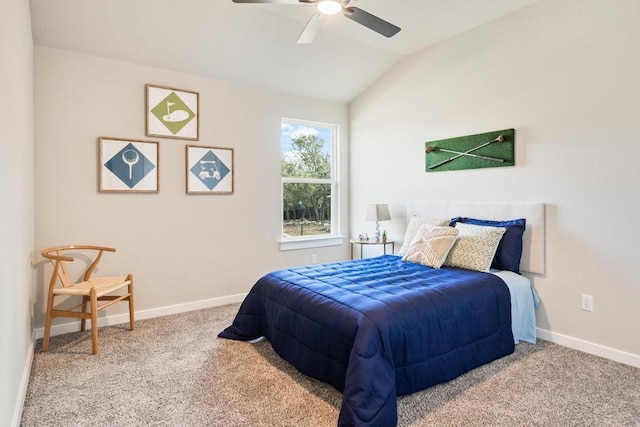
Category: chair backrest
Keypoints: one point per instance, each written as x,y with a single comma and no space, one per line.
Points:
60,264
58,257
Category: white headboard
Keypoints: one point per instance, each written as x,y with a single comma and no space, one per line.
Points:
533,250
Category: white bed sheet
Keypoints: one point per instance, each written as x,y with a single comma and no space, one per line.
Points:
524,300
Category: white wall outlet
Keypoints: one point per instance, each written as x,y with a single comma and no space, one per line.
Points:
587,302
314,259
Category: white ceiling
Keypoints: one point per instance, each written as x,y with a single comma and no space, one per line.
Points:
255,44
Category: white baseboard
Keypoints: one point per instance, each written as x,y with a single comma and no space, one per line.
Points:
589,347
24,383
554,337
66,328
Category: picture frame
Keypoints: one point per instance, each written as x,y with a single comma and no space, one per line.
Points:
209,170
172,113
483,150
128,166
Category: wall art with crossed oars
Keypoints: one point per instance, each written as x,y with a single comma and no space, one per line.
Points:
483,150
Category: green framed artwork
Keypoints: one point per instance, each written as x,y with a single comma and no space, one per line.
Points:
172,113
483,150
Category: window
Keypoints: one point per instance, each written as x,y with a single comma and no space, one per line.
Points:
309,183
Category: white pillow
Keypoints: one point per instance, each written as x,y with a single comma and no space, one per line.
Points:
475,246
431,245
414,225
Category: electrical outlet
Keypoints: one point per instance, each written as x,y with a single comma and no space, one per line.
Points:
314,259
587,302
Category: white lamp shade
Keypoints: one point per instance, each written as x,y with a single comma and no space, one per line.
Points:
378,212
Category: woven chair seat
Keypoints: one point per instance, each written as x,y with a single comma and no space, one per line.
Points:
103,285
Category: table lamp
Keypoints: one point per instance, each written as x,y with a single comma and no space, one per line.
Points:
378,212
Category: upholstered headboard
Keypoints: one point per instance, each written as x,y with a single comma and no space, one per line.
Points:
533,251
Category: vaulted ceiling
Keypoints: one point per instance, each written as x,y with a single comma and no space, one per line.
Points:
255,44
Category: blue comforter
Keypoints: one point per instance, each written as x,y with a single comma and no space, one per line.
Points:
378,328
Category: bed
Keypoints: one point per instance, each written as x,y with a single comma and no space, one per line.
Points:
383,327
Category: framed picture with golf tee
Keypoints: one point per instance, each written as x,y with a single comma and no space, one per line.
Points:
127,166
209,170
172,113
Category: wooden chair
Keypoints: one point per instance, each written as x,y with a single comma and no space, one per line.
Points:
91,289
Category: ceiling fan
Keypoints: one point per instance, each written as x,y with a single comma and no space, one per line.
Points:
332,7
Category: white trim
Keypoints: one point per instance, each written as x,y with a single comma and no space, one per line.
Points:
66,328
554,337
589,347
293,180
333,181
24,383
316,242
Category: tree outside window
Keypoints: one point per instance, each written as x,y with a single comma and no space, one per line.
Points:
308,183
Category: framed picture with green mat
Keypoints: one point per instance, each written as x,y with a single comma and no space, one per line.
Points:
483,150
172,113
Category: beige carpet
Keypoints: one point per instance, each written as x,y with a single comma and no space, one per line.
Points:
174,371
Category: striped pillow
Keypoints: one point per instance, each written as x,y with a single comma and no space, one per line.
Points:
414,225
431,245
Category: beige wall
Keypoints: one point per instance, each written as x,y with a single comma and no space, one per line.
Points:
16,205
195,250
564,74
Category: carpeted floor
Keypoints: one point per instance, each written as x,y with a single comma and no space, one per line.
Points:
174,371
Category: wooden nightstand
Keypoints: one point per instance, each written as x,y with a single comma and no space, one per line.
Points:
372,242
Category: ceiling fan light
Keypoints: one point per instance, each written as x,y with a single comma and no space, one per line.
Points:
329,7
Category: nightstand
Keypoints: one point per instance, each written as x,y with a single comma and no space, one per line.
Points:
372,242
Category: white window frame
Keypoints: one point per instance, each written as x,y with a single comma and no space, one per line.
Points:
316,241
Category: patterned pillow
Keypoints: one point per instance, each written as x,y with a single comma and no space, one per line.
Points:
431,245
475,247
414,225
509,250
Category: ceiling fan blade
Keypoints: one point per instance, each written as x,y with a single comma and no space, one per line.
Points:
270,1
311,29
370,21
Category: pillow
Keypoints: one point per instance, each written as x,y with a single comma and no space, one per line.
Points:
431,245
414,225
509,250
475,247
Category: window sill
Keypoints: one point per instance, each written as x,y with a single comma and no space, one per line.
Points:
316,242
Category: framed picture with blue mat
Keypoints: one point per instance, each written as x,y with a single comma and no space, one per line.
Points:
209,170
127,166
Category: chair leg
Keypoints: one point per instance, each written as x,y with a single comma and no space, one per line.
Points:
47,324
83,322
132,321
94,321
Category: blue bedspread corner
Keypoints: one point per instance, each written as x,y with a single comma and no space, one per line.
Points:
249,322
